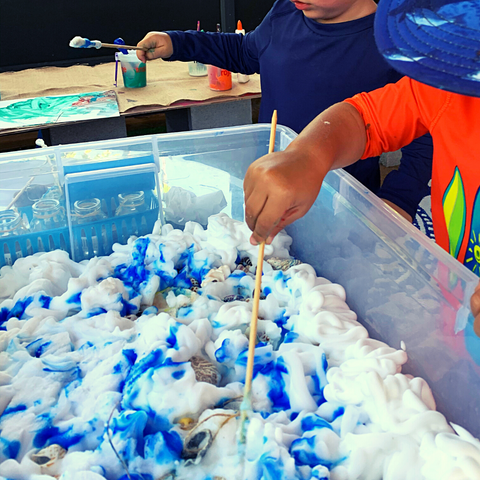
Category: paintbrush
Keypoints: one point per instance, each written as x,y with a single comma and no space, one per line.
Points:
81,42
246,405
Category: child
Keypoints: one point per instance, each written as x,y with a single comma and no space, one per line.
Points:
310,55
439,47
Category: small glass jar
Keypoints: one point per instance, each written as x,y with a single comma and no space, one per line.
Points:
87,211
11,223
131,203
48,214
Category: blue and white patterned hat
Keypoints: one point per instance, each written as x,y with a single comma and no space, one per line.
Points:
436,42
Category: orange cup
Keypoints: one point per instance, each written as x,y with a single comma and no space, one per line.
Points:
219,79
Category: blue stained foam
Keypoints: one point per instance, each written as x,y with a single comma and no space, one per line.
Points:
222,354
338,413
272,468
130,355
10,448
135,274
178,374
172,337
277,393
10,410
303,451
75,298
313,421
290,337
17,311
38,347
95,312
45,301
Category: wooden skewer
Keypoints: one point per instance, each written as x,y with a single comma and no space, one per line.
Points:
126,47
258,284
246,404
17,196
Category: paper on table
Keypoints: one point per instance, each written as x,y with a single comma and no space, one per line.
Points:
167,83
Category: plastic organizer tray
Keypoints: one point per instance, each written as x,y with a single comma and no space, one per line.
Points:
93,170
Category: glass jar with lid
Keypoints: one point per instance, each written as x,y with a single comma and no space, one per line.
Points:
131,203
11,223
48,214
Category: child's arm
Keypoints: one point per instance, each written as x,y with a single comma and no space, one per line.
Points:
281,187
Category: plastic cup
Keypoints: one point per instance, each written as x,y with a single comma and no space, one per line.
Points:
219,79
197,69
133,70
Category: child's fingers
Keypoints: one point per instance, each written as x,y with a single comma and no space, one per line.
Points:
253,206
269,218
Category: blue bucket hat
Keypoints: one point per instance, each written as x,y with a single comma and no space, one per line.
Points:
436,42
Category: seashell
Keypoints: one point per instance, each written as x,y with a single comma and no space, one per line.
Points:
246,262
48,456
186,423
262,295
195,285
196,446
283,263
216,275
233,298
205,371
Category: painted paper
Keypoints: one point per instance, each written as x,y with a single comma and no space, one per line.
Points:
58,109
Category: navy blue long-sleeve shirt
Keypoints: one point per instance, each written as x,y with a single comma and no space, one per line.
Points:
305,67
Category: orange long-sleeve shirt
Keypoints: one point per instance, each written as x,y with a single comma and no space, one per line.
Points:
396,114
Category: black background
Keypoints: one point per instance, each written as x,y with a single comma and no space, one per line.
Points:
36,33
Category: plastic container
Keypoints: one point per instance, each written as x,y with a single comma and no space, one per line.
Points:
134,71
402,286
219,79
68,174
197,69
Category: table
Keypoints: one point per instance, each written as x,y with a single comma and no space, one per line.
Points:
187,101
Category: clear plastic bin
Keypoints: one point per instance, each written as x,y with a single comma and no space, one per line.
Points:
402,286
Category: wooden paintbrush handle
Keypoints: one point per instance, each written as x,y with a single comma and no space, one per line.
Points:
126,47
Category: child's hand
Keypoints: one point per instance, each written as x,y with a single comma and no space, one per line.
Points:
158,45
279,189
475,306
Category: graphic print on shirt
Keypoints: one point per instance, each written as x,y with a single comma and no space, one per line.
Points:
472,255
454,211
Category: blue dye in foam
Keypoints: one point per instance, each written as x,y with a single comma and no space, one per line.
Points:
45,301
37,348
313,421
10,448
18,408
